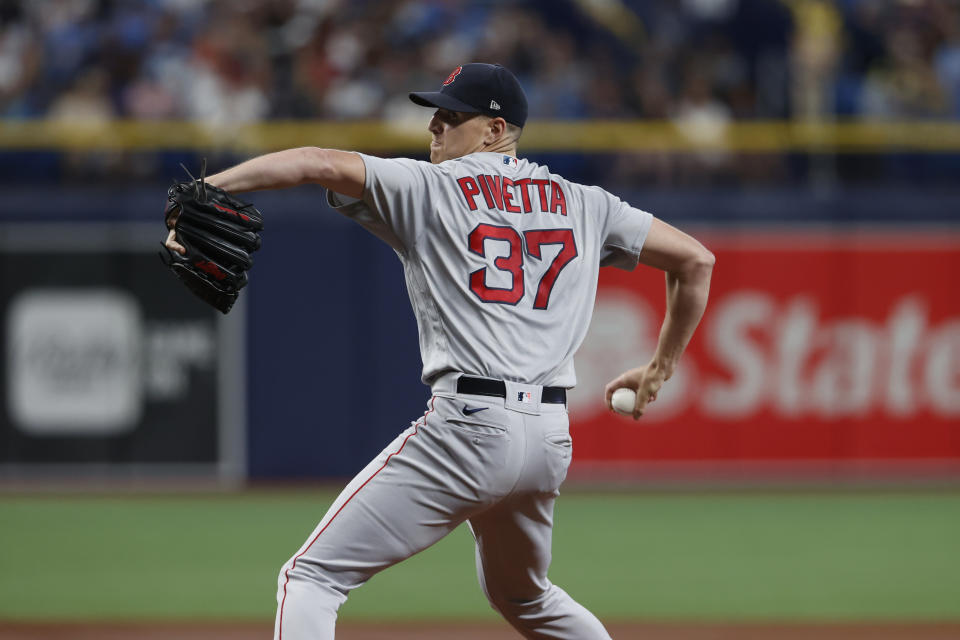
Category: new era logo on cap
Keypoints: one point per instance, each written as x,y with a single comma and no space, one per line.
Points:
479,88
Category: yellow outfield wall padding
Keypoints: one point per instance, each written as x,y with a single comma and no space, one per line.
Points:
580,136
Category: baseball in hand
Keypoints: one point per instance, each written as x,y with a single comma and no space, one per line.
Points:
624,400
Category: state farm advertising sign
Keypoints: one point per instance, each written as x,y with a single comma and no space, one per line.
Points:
814,346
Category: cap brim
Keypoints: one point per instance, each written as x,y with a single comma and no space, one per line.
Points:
441,101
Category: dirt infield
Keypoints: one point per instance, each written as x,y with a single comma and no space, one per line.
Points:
484,631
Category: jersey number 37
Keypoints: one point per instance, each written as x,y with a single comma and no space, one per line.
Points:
512,262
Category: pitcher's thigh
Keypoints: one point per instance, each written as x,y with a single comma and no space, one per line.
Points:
513,550
388,512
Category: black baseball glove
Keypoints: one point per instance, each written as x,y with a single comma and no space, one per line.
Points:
219,233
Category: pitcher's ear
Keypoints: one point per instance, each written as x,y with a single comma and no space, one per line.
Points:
496,127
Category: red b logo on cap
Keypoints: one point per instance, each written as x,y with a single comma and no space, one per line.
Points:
452,76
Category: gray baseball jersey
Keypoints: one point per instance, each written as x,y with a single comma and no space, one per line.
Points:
501,260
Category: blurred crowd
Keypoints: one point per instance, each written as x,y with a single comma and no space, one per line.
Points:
693,60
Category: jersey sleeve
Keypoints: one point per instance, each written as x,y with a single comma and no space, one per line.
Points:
358,211
399,192
624,233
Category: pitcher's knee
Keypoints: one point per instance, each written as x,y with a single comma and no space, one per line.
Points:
307,603
519,606
320,580
549,613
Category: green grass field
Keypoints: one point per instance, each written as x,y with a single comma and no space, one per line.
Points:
824,556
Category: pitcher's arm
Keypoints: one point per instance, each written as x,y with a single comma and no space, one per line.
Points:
688,266
341,171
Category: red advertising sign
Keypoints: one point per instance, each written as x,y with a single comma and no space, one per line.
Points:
815,346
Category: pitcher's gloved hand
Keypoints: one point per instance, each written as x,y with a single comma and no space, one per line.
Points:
212,235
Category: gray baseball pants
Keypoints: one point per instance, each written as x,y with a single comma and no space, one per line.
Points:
498,468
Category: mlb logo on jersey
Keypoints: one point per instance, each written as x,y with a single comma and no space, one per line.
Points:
524,396
507,160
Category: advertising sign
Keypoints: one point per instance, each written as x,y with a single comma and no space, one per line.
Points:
841,346
108,362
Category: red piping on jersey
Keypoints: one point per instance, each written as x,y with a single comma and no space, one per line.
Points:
416,429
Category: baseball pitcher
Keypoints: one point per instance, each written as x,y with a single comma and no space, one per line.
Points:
501,259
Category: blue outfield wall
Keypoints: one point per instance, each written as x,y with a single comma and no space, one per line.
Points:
334,364
333,358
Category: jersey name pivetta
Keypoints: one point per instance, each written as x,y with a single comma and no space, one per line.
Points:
500,192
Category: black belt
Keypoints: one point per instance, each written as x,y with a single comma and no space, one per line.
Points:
497,389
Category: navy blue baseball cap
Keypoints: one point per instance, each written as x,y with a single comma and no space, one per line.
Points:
479,88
